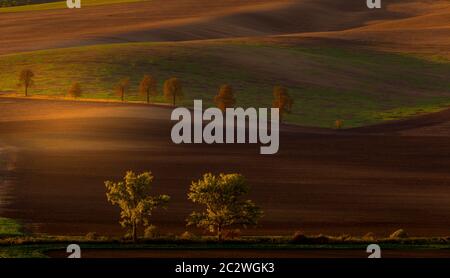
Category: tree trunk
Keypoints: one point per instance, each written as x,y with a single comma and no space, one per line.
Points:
219,233
134,232
148,97
123,96
26,91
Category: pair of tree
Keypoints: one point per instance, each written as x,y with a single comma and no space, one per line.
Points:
148,87
172,89
281,99
26,80
220,195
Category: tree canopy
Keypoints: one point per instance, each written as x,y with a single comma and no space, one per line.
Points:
122,87
225,98
133,196
173,90
148,87
75,90
224,206
26,79
282,100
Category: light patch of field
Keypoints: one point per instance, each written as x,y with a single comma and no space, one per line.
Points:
10,227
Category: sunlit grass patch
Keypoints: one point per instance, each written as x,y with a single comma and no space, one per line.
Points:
10,227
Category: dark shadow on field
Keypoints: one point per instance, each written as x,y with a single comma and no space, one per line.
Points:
331,183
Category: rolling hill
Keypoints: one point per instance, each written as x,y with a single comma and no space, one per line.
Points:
177,20
357,85
339,59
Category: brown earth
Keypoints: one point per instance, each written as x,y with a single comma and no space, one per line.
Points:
425,31
175,20
57,154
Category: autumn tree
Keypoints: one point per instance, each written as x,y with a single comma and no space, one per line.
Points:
225,98
122,87
133,196
148,87
338,124
222,197
26,79
75,90
173,90
282,100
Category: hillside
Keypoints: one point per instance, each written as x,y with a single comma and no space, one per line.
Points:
426,32
175,20
339,59
357,85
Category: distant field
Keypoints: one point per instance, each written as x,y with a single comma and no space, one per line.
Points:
11,3
60,5
9,227
328,83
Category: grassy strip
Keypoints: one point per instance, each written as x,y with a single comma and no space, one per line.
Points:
10,227
38,246
192,240
40,250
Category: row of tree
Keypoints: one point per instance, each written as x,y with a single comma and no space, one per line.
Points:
172,91
220,195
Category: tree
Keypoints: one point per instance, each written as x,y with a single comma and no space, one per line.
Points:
133,197
282,100
148,87
26,79
222,197
122,87
75,90
173,90
338,124
225,98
